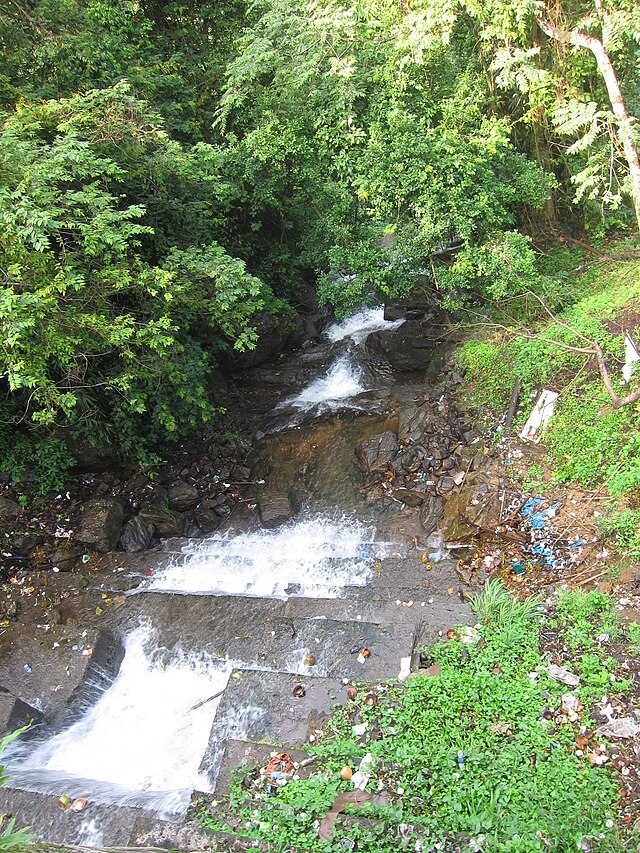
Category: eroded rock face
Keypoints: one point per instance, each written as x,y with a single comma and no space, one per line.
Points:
431,513
376,453
274,508
101,523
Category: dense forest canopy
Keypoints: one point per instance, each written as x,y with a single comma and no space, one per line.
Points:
172,171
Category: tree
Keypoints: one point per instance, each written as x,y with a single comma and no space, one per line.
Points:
614,24
108,327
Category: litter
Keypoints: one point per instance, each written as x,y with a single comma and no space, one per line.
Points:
530,505
405,669
360,778
631,357
624,727
559,673
571,706
26,668
279,769
539,519
540,416
470,636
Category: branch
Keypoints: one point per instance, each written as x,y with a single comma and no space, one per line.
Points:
574,37
593,349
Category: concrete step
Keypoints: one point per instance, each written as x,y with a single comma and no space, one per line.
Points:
115,824
246,631
261,706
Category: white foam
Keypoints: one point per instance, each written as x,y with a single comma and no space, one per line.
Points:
360,325
315,557
146,733
342,381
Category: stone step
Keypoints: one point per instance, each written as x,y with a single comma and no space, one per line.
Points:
261,706
246,631
48,821
404,606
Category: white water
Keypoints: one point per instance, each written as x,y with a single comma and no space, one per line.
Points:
319,556
360,325
143,740
342,381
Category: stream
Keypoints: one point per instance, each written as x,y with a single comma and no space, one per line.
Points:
242,609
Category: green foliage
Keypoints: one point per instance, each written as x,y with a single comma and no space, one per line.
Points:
48,462
589,446
109,325
11,838
493,271
467,753
624,526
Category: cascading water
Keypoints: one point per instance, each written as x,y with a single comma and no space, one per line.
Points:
142,742
299,558
342,381
360,325
345,378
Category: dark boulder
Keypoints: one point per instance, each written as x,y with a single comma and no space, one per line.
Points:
101,523
155,511
137,535
182,496
431,513
376,453
409,347
275,335
9,509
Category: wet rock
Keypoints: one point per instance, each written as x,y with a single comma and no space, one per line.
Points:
9,509
65,559
375,453
409,460
414,421
101,523
14,713
431,513
274,508
164,521
446,484
207,519
409,497
182,496
241,474
137,535
409,347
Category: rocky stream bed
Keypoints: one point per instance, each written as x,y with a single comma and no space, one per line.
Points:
160,628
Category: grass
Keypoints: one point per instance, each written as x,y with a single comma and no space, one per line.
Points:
586,443
478,757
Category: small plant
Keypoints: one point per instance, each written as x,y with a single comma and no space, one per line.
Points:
624,525
496,607
11,838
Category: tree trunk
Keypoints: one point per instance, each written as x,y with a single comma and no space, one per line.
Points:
615,96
